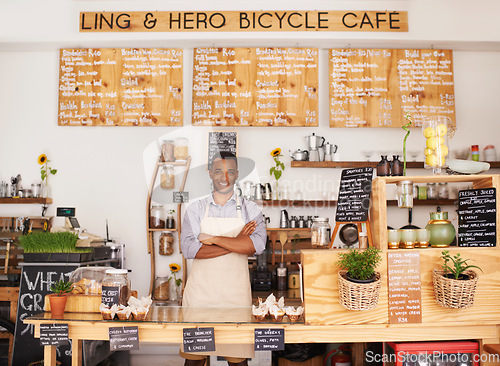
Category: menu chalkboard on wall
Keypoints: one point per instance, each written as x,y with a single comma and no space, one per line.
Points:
120,87
222,141
477,218
354,195
375,87
255,87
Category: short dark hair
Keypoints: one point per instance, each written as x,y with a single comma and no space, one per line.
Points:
224,155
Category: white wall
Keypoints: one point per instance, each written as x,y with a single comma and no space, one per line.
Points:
105,172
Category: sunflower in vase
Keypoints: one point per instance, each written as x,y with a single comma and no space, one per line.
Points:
45,171
277,170
174,268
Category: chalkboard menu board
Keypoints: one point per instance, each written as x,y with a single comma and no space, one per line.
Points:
405,287
120,87
222,141
36,281
354,195
255,87
375,87
477,218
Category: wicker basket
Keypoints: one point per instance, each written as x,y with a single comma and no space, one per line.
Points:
454,294
358,296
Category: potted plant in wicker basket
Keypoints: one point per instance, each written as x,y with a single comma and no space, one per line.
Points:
455,285
359,283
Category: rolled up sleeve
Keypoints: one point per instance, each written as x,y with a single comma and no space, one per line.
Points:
259,236
190,244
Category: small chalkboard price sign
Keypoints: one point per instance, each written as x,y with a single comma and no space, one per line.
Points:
54,334
123,338
477,217
354,195
198,339
269,340
219,141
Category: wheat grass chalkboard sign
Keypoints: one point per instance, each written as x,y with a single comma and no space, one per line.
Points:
221,141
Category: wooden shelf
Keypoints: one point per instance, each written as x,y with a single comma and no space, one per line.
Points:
440,202
11,200
174,163
162,229
348,164
289,229
362,164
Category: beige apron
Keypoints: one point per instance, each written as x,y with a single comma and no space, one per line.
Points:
223,281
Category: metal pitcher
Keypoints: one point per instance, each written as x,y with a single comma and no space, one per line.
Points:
259,188
267,191
314,142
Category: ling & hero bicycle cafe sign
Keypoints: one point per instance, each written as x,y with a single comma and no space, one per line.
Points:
245,21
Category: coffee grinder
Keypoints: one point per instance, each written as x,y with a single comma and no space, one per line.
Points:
261,277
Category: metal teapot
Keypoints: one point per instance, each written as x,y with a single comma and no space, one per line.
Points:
315,142
300,155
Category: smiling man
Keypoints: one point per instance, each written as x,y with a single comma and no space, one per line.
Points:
219,233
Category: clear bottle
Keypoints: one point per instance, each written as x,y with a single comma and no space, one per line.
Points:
167,151
432,192
157,218
320,232
162,288
115,287
281,277
443,192
167,177
181,151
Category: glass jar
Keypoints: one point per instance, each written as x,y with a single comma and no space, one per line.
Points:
474,150
442,230
383,167
4,189
436,131
167,151
36,190
181,149
443,192
157,218
281,277
170,223
432,193
167,177
115,287
320,232
166,246
404,194
162,288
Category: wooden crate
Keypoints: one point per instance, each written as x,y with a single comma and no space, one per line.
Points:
79,303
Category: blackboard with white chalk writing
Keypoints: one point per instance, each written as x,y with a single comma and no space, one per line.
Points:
198,339
36,281
221,142
354,195
269,339
477,212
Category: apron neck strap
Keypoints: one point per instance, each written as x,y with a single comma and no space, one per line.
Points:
238,207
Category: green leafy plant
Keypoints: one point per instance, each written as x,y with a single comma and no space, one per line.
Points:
45,169
278,168
61,287
171,212
46,242
360,264
459,264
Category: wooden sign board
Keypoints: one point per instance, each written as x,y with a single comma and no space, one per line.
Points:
219,141
245,21
376,87
405,287
354,195
255,87
477,213
120,87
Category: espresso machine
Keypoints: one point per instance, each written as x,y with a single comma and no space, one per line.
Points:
314,143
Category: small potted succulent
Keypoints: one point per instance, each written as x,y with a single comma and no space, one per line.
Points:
359,283
455,283
59,297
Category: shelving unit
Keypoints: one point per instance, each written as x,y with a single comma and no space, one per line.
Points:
332,203
362,164
28,200
151,232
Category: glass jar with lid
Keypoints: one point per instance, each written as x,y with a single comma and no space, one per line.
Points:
157,218
443,192
181,151
162,288
320,232
167,177
167,151
166,246
115,287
